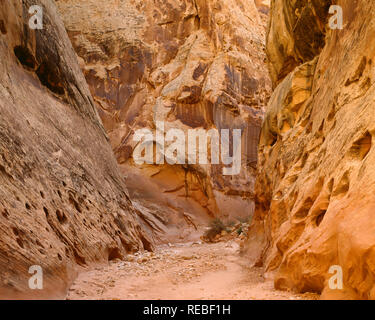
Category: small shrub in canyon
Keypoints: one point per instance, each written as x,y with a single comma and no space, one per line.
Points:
215,228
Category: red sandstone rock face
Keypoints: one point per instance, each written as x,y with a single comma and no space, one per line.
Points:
201,65
63,202
315,182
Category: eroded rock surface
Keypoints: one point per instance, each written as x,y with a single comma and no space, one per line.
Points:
195,64
315,182
63,201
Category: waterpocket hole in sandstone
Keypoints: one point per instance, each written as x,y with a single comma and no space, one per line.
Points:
25,57
2,27
361,147
61,216
320,217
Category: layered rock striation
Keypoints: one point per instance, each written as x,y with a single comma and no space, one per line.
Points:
63,201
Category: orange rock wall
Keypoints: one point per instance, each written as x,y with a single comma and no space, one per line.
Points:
315,180
200,64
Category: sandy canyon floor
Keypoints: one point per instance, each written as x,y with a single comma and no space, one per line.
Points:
189,271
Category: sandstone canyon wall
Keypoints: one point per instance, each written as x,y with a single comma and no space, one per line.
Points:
63,201
192,63
316,177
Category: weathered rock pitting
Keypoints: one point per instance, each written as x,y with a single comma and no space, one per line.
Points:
63,201
315,181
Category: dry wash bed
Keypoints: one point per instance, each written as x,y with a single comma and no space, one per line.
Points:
184,271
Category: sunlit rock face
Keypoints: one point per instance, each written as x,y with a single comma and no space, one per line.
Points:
316,174
63,201
193,64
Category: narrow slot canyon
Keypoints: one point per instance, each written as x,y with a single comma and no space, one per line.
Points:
187,150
